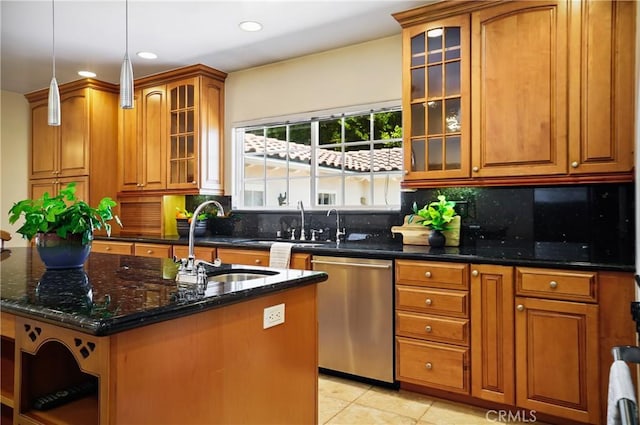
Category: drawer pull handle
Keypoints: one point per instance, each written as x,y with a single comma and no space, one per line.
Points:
428,301
149,251
520,307
553,284
427,328
474,273
427,274
108,248
257,261
429,366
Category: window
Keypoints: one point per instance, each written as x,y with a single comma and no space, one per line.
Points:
351,161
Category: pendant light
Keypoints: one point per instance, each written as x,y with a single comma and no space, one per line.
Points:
53,108
126,72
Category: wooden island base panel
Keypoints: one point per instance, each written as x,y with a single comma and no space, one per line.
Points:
155,354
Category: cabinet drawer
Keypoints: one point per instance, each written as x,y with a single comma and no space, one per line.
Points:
433,328
152,250
433,365
432,301
557,284
244,256
201,252
123,248
432,274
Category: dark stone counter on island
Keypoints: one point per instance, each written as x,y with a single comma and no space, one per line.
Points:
113,293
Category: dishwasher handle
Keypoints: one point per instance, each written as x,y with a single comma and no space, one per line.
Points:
337,263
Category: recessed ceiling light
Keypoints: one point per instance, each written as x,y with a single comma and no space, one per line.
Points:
87,74
147,55
250,26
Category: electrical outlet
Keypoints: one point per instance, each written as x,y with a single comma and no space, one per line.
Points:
273,315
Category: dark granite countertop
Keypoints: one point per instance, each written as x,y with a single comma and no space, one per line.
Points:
513,253
113,293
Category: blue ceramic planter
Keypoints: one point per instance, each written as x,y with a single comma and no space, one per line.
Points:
57,253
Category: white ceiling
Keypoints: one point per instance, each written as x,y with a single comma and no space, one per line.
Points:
90,34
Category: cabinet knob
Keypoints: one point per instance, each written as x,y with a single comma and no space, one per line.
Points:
475,169
149,251
427,328
574,164
428,366
108,248
474,273
428,301
553,284
520,307
258,261
406,172
193,182
427,274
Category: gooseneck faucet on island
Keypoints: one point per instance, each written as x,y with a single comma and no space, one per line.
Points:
189,271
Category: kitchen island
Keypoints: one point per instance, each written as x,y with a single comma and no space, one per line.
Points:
156,353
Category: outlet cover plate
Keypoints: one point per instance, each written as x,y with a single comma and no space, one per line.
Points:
273,316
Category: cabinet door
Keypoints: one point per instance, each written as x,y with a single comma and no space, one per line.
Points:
557,358
52,186
492,374
211,136
436,99
129,147
601,136
153,133
519,89
44,144
183,141
74,134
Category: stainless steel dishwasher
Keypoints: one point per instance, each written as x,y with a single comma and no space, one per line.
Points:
355,317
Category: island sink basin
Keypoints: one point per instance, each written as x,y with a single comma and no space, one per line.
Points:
239,275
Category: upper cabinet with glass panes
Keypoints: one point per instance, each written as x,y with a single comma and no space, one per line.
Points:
436,102
509,93
172,142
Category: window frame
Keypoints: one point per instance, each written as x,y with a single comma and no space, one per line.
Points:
313,118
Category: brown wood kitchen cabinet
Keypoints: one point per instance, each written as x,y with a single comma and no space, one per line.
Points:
492,325
517,92
83,148
172,142
531,338
432,324
253,257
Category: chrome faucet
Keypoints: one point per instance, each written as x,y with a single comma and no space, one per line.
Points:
301,208
338,231
189,271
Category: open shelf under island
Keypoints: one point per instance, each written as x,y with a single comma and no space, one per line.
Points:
155,353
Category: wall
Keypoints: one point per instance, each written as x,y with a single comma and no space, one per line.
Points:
360,74
14,154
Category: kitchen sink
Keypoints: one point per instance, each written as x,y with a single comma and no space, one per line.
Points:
295,243
239,275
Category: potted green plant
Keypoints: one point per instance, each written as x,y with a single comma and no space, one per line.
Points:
62,225
437,216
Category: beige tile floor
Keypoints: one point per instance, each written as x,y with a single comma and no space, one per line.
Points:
347,402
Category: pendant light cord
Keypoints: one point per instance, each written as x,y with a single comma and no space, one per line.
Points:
53,38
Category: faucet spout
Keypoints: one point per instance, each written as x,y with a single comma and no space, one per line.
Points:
338,231
301,208
191,259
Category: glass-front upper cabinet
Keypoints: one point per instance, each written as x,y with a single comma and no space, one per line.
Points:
436,100
182,167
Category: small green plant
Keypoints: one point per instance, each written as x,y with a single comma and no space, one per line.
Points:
436,215
63,214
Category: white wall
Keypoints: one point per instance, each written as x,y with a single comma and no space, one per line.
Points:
14,154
